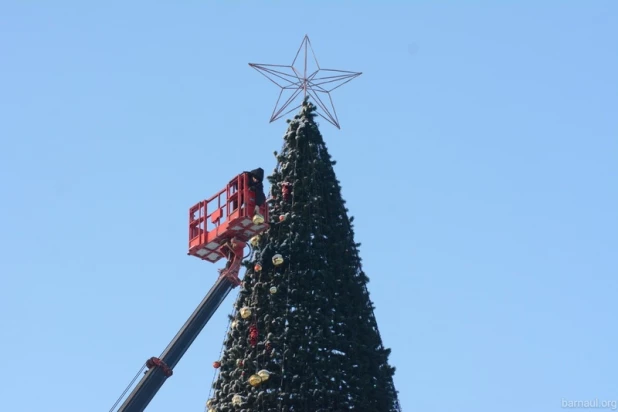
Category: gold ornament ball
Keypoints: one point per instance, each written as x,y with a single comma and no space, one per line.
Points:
277,259
273,290
264,375
245,312
258,219
255,380
236,400
255,240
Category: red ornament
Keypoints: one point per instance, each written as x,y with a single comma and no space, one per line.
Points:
286,191
216,364
253,335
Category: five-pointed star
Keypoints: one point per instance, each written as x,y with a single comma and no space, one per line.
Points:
293,81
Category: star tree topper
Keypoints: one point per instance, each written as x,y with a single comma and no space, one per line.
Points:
316,83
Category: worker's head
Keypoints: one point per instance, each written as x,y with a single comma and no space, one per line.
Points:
257,174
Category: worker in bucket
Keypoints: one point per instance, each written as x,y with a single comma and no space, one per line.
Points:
256,178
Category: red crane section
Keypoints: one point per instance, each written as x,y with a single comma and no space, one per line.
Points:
220,226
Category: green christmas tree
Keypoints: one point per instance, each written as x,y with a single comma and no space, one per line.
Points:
303,336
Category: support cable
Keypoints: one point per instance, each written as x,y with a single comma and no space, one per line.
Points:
129,386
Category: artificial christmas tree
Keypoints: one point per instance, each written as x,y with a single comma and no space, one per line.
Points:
303,336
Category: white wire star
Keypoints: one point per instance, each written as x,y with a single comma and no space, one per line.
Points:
292,81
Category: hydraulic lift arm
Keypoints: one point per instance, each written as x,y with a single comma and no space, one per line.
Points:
159,369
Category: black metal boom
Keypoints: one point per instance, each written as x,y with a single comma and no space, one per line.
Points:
230,243
161,368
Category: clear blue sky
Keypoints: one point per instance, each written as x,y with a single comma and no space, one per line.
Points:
478,153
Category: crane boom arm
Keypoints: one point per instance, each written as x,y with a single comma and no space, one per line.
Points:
159,369
154,378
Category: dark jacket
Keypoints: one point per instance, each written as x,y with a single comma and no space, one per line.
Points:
257,187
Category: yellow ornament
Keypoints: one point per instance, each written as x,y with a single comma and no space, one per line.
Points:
245,312
277,259
258,219
255,380
234,323
264,375
273,290
236,400
255,240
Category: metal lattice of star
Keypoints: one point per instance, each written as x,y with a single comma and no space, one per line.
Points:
315,82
